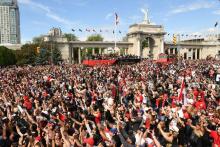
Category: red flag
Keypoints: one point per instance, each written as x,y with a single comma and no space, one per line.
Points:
180,97
116,19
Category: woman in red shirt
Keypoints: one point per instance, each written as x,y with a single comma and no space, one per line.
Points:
97,115
216,137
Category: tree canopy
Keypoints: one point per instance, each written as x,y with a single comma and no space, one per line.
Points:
29,54
38,39
7,56
96,37
70,37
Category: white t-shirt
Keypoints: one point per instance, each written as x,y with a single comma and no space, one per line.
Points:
139,140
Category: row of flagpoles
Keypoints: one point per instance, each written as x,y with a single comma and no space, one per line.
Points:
121,32
97,31
192,35
114,31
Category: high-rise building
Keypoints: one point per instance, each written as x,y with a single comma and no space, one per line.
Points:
9,22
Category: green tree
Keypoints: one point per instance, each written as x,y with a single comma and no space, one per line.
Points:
7,56
56,54
70,37
96,37
38,39
43,57
27,54
125,38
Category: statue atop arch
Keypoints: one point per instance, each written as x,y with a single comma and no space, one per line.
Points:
146,16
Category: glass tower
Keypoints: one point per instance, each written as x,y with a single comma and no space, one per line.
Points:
9,22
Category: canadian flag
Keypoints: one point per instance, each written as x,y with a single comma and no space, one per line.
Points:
182,91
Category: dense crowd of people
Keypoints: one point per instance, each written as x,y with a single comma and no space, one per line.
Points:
144,104
111,56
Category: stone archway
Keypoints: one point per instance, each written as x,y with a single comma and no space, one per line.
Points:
138,33
147,46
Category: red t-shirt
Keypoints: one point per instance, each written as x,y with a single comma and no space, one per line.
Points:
113,91
200,105
90,141
186,115
27,105
147,123
216,138
202,94
98,118
139,98
195,93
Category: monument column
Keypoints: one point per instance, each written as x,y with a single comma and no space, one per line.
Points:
73,55
139,45
195,52
100,51
162,46
79,55
93,51
70,54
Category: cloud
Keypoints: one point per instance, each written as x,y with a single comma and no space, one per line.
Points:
108,16
217,12
80,2
192,7
39,23
49,12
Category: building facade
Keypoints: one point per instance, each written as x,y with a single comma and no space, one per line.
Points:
144,39
9,22
195,48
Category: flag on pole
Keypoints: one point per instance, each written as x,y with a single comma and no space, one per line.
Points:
216,24
116,19
80,30
73,30
180,96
